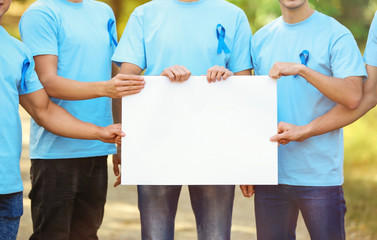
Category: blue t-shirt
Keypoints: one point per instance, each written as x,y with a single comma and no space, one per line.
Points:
333,51
17,77
163,33
80,35
370,54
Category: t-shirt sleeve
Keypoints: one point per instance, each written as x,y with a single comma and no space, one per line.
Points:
30,81
240,58
346,59
370,54
39,32
131,47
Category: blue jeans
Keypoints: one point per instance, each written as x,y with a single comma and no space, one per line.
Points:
212,206
11,210
277,207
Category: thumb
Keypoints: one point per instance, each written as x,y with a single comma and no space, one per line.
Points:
280,136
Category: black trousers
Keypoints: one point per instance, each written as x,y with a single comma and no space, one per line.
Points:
68,197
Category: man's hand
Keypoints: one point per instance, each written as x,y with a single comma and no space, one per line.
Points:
280,69
247,190
111,134
123,85
177,73
117,161
288,132
216,73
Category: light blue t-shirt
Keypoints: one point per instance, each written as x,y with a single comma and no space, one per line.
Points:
80,35
17,77
370,54
333,51
163,33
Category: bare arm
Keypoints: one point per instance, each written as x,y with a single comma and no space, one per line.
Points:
68,89
58,121
347,92
336,118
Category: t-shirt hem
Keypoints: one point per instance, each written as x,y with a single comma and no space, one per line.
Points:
44,52
241,68
73,155
345,75
312,183
370,62
11,190
119,61
34,88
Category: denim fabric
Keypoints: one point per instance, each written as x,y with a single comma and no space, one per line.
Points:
212,206
68,197
11,210
277,207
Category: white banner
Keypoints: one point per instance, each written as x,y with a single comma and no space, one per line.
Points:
196,133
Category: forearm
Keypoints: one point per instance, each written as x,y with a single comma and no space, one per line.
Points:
347,92
340,116
67,89
58,121
117,110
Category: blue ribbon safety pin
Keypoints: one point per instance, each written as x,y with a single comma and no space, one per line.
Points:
220,31
110,29
304,57
25,67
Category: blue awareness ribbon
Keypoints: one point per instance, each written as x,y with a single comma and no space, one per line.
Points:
220,30
25,67
304,57
110,29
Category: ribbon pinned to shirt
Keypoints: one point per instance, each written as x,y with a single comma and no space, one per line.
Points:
220,30
110,29
25,67
304,57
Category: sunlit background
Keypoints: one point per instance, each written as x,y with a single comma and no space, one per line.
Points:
360,166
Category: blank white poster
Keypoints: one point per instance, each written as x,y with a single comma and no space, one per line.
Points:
196,133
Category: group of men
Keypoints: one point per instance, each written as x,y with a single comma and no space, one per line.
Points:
322,86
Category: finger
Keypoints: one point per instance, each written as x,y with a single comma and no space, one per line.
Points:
168,73
243,190
280,136
227,74
250,190
116,169
209,72
187,73
125,90
117,140
221,71
178,73
130,77
129,88
272,72
115,166
129,93
284,141
130,83
117,182
214,73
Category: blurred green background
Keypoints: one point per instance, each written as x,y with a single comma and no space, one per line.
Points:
360,166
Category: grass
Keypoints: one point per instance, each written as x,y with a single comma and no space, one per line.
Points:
360,170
